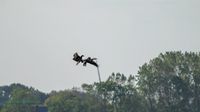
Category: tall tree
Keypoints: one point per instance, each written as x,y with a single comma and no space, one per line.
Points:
170,82
118,91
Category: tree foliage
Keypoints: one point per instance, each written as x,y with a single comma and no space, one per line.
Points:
21,98
118,91
171,82
72,101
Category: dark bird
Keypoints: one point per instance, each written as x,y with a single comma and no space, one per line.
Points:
90,61
78,58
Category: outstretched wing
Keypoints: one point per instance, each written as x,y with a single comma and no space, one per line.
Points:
93,63
75,55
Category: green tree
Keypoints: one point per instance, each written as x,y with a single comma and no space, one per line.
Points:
118,91
21,100
72,101
7,91
171,82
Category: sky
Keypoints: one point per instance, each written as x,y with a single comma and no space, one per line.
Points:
39,37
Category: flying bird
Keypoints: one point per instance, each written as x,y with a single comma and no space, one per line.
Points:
78,58
90,61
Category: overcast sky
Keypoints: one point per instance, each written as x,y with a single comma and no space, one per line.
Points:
38,38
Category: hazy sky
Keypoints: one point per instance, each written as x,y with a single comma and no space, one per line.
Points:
39,37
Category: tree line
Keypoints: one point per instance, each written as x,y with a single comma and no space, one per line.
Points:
168,83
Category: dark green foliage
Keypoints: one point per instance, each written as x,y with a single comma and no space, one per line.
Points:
171,82
19,98
118,91
7,91
73,101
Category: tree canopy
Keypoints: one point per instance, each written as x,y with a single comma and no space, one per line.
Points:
72,101
171,82
19,98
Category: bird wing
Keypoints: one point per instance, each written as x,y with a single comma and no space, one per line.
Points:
75,55
93,63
